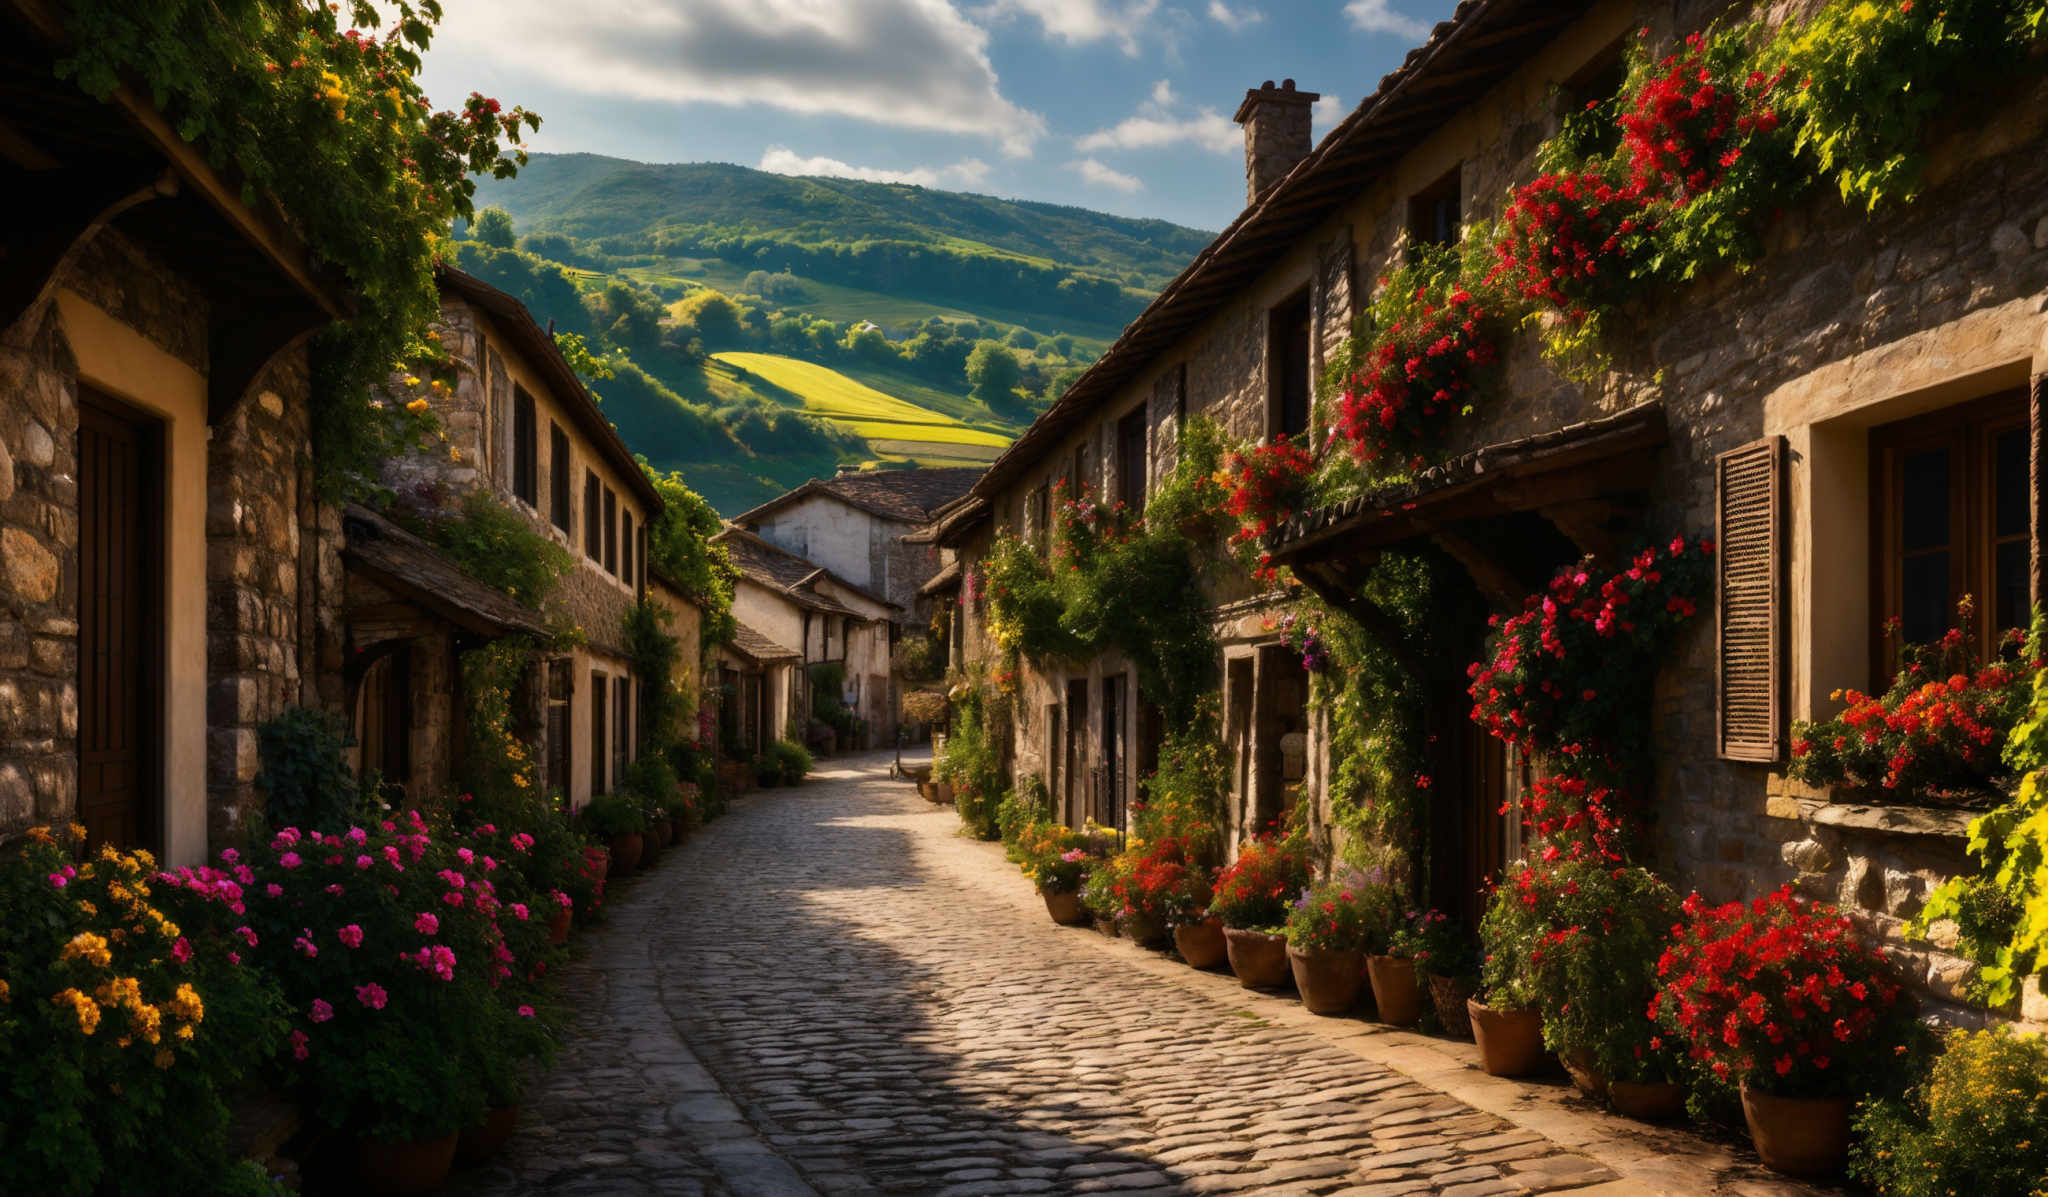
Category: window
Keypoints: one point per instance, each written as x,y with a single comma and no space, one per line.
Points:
1041,518
1130,460
525,449
622,723
1952,515
611,531
558,476
1589,103
593,517
559,685
626,536
1287,380
1433,213
600,743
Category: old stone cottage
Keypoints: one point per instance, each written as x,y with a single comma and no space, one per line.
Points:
169,580
1856,421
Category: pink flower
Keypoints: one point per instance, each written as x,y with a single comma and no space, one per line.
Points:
372,995
299,1045
57,881
465,856
519,911
273,890
248,936
562,900
290,860
364,862
352,935
181,951
321,1011
452,897
426,924
357,836
526,1011
229,855
234,957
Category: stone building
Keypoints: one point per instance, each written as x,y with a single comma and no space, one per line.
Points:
792,601
522,427
169,580
758,690
1865,369
861,525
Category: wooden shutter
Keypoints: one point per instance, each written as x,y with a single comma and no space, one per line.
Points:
1749,600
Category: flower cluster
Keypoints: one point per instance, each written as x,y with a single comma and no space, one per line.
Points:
1570,675
1419,373
1780,994
1057,859
1569,240
1351,914
1262,487
1256,891
1936,732
1301,636
1435,941
1687,124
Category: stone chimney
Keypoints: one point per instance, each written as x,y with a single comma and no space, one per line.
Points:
1277,133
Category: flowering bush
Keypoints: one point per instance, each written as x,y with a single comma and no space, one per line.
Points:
1594,932
1779,994
407,1003
122,1027
1978,1124
1353,915
1423,369
1936,732
1435,942
1254,892
1691,116
1262,487
1571,241
1057,859
1301,635
1570,676
1183,798
1151,882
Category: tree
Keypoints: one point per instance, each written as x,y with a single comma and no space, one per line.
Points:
1022,338
866,343
1063,344
711,317
494,228
993,374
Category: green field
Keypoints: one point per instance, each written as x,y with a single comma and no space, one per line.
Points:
876,415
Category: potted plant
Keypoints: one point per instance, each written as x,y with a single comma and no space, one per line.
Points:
1328,930
618,822
767,770
1780,998
1594,970
1057,861
1252,897
1183,893
1977,1123
1447,960
1102,894
792,761
1506,1023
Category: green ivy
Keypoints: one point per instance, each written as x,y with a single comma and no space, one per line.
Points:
499,547
679,544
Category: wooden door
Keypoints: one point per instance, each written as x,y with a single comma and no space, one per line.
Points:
1112,797
1467,832
120,623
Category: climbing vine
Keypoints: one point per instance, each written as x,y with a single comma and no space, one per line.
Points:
680,546
320,107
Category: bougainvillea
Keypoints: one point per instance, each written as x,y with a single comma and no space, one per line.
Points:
1570,675
1779,994
1423,370
1254,893
1262,487
1689,121
1570,241
1936,733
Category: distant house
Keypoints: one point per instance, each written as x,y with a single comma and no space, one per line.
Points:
165,568
794,601
757,682
523,428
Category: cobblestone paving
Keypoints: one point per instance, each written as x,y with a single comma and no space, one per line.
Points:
874,1015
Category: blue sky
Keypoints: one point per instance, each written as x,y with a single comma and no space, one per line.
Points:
1119,105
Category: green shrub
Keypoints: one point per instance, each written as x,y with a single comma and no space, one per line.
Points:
791,761
1978,1125
972,762
1606,928
1027,804
611,815
501,548
306,781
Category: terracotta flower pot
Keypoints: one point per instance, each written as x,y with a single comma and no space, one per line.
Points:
929,791
1646,1101
1258,959
626,850
558,925
1585,1073
1510,1041
482,1141
1328,981
664,833
1449,995
1395,990
1201,944
1066,908
945,790
1144,929
1799,1136
415,1166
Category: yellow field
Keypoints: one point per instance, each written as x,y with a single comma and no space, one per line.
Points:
860,408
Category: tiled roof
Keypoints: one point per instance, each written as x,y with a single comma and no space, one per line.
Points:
779,569
416,570
754,646
906,496
946,579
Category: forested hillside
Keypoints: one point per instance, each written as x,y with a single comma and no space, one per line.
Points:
756,330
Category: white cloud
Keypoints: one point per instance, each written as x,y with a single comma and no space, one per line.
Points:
1325,113
918,64
1103,176
1081,22
1158,123
781,160
1378,16
1234,19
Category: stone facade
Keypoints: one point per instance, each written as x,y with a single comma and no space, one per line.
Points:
1847,323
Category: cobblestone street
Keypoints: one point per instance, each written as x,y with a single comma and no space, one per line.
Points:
830,991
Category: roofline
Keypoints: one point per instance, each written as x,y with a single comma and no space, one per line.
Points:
263,226
816,570
1302,195
555,370
823,486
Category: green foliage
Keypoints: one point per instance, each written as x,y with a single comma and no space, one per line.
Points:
972,762
305,778
493,227
1183,798
792,760
576,351
1594,970
679,547
337,130
1025,805
666,710
611,815
993,374
495,765
497,546
1978,1124
1343,916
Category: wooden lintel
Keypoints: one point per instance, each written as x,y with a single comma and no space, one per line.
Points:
60,210
1499,584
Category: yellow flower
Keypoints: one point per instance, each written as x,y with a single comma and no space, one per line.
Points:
82,1006
4,993
88,907
412,380
88,947
185,1033
146,860
185,1004
416,406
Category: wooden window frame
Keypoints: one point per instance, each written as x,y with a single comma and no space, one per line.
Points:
611,531
558,476
1131,480
600,737
1297,311
593,517
1428,222
1969,430
525,448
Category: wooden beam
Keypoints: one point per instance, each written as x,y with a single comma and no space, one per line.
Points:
1499,584
244,342
1590,525
62,209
